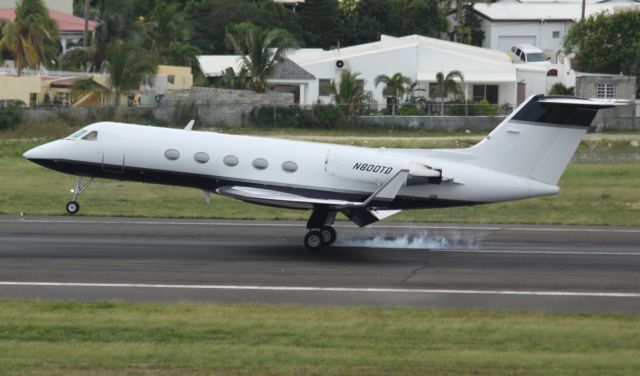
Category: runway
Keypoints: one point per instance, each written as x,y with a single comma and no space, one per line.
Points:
515,267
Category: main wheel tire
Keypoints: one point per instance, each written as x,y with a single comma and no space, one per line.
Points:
313,241
328,234
73,207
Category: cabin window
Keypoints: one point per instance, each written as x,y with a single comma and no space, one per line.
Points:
201,157
91,136
290,166
172,154
260,163
230,160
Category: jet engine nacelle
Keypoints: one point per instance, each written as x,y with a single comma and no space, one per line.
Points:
373,167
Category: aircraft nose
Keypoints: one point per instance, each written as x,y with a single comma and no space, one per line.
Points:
36,153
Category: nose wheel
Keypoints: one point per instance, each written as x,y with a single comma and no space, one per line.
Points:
73,206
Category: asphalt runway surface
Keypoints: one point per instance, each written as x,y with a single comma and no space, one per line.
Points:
514,267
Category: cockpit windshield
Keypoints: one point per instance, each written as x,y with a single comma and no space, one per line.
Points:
78,134
91,136
84,134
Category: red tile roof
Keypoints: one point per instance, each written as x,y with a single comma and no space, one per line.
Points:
66,22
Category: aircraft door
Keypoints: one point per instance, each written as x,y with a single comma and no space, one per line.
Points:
113,152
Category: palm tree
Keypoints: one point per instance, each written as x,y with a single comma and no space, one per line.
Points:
260,50
349,92
394,86
445,85
26,37
128,66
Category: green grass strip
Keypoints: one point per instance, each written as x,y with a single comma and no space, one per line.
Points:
125,338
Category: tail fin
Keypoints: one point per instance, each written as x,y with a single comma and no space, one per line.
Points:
539,138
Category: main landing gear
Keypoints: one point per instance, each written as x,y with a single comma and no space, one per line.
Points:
73,206
320,231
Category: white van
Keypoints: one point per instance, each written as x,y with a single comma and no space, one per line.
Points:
527,53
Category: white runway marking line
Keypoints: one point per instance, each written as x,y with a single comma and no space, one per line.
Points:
250,224
327,289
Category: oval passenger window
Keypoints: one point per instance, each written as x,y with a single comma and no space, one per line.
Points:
201,157
172,154
290,166
260,163
230,160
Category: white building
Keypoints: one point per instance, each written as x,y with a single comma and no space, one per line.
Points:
488,74
542,23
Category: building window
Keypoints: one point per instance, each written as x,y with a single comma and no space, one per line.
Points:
433,88
488,92
171,78
324,89
605,90
556,34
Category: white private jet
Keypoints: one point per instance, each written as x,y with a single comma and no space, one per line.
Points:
523,157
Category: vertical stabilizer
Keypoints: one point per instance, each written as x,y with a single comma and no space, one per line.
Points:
539,138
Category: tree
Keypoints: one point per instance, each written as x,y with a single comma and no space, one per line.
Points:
116,22
230,80
445,85
27,36
319,21
607,43
168,35
260,50
560,89
128,66
209,20
468,29
394,87
349,92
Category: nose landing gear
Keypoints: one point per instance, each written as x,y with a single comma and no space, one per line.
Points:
73,206
320,231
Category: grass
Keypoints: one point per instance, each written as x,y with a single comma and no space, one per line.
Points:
598,194
123,338
602,193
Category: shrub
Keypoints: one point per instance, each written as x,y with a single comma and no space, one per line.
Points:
328,116
410,110
11,115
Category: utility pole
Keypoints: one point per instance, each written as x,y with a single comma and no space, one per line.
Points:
85,40
584,5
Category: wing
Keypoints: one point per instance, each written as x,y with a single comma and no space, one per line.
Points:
272,197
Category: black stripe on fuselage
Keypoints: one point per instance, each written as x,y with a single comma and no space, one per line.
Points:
211,183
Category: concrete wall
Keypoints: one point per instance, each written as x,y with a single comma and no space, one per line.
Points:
212,106
619,118
434,123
